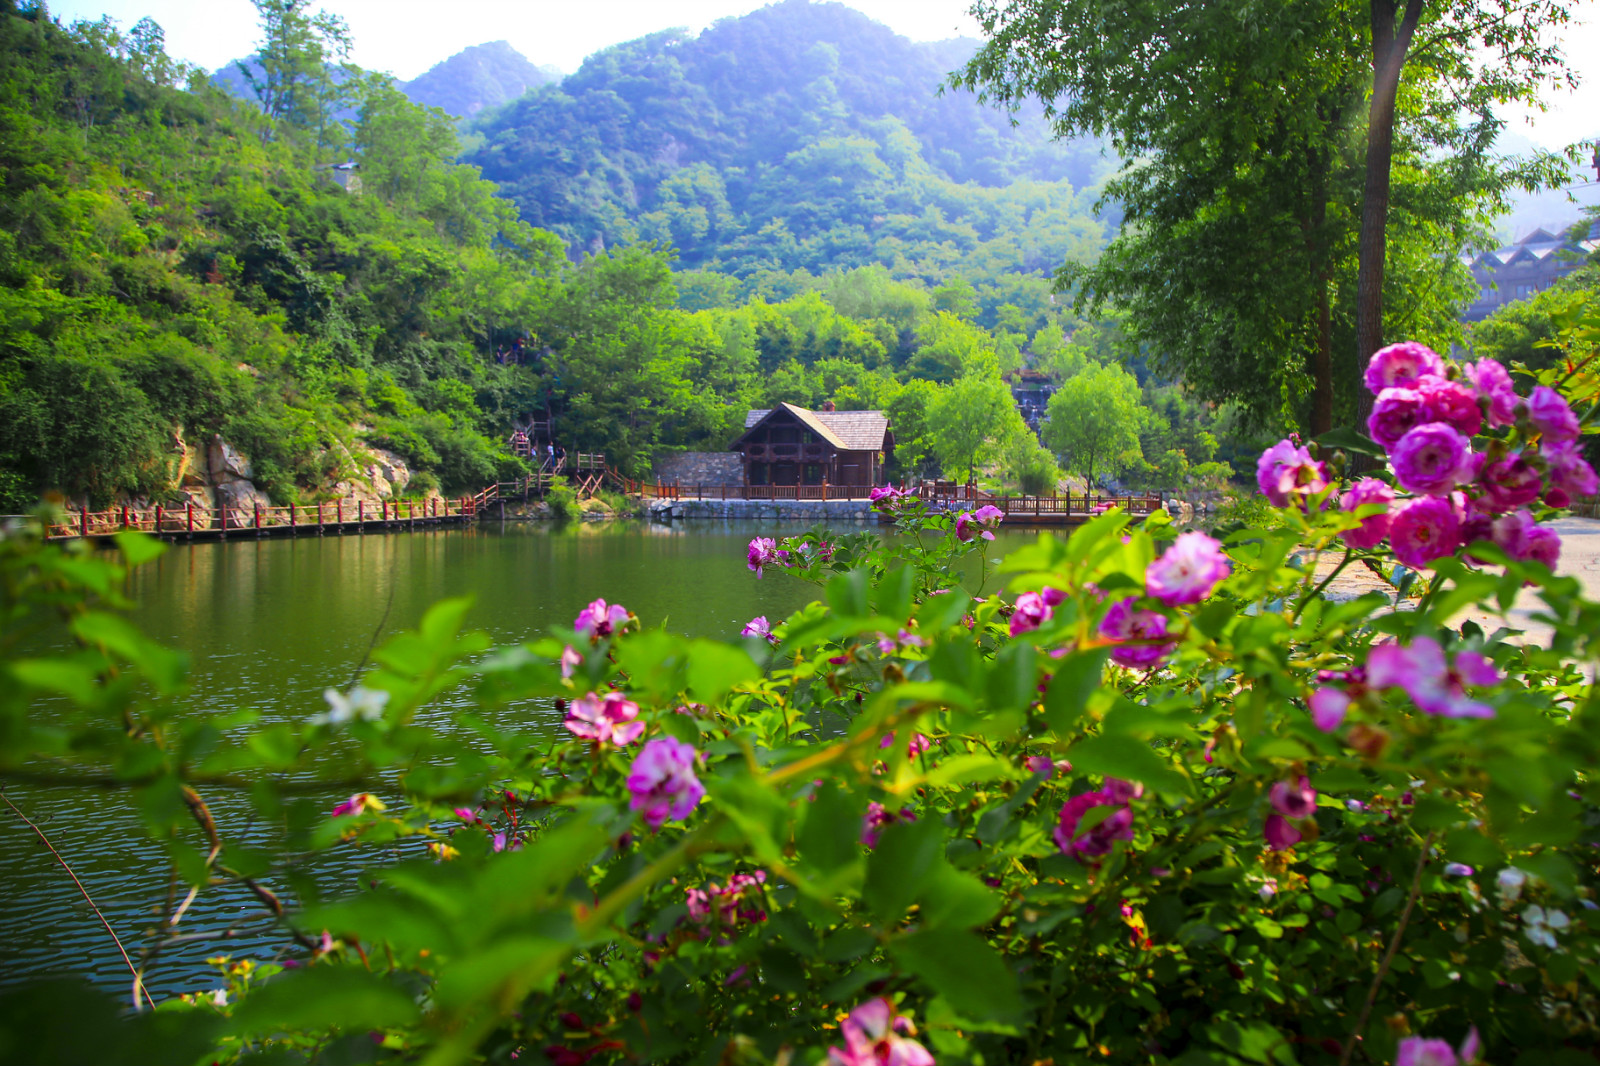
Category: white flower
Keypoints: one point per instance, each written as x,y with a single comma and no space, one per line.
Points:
219,997
1511,881
1541,925
363,703
1269,889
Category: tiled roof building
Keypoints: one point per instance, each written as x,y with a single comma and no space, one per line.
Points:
1531,265
790,445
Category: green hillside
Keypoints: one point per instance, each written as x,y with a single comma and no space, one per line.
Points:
173,265
800,137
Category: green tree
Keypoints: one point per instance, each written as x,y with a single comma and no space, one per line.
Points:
1095,420
303,66
1239,251
965,418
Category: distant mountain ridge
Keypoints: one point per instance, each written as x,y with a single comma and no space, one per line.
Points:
800,136
479,78
475,79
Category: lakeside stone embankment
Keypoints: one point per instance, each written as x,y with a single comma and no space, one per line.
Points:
802,510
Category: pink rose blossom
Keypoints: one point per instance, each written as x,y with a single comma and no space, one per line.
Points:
1435,686
1551,416
764,552
1031,612
1419,1051
981,522
877,819
1510,482
608,719
1430,459
1373,528
1123,622
570,659
1423,530
1122,791
886,497
1052,597
600,620
1040,764
1285,470
1453,403
1297,800
1510,533
662,781
1569,471
873,1037
1100,839
360,803
1494,384
740,902
1395,413
758,627
1401,365
1280,833
1328,707
1543,546
1188,571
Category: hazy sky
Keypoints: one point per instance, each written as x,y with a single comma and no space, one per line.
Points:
406,37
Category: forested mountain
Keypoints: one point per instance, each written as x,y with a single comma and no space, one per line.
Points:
801,136
483,76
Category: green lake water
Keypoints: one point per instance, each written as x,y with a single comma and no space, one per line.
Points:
269,625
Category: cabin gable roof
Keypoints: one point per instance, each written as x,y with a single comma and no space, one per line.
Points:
848,431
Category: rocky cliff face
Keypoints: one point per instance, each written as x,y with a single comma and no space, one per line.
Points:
217,476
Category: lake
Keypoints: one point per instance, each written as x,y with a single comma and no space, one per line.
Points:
269,625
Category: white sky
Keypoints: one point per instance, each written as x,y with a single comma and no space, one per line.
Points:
406,37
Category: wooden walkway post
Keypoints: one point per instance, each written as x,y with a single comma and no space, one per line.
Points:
189,517
361,516
83,520
158,518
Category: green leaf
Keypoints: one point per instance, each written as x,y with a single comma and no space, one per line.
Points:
1013,678
828,839
942,611
953,899
1130,759
139,548
323,997
1076,678
847,594
964,969
1351,440
905,855
715,669
894,592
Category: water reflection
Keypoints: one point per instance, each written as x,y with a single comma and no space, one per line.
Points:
269,625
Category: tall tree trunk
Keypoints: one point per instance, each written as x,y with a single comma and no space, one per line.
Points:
1317,255
1390,43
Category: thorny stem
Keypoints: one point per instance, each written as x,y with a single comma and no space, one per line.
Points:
1322,587
1388,956
140,996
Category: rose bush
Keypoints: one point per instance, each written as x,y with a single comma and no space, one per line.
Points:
1156,796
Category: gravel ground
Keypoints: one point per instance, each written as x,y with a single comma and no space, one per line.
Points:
1580,558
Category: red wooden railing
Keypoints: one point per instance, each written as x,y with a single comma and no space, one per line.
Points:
191,519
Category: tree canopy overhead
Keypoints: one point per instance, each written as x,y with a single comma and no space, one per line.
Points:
1240,255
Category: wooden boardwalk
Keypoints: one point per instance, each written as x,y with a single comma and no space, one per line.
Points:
296,520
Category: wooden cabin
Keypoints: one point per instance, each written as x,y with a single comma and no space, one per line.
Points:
789,445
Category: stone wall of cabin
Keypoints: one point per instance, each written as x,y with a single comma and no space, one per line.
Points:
698,468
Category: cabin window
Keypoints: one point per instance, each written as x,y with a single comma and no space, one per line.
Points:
813,473
785,435
758,473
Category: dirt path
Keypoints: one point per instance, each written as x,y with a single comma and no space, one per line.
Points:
1580,558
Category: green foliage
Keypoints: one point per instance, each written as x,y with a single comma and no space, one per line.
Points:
516,898
799,139
965,418
1237,261
1095,419
563,500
